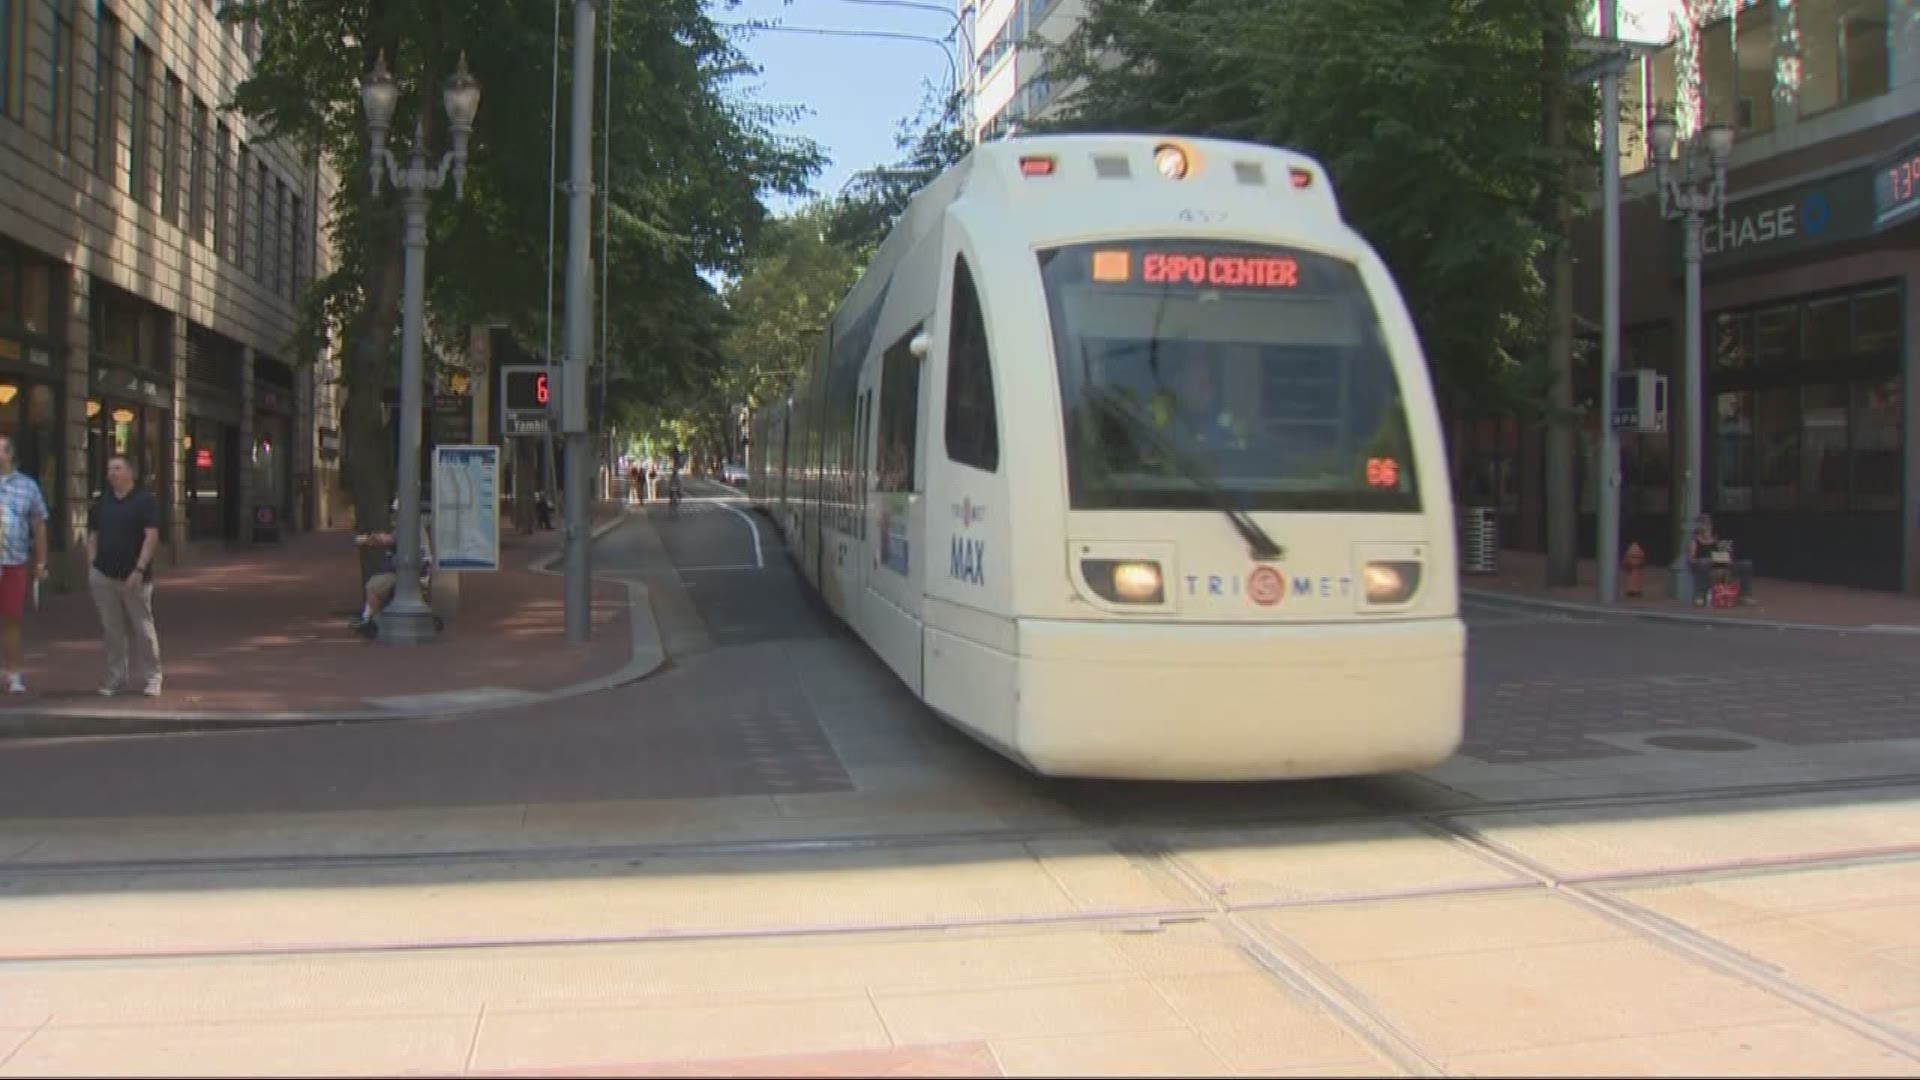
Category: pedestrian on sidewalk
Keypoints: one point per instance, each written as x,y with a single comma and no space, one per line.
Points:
123,534
381,586
23,558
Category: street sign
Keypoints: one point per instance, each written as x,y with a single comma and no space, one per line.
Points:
526,399
466,507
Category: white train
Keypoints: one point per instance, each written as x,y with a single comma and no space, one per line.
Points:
1123,455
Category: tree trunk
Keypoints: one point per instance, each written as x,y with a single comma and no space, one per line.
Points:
1562,509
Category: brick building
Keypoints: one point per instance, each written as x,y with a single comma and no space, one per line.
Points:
152,250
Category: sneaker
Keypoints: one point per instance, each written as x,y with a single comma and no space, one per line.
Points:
152,688
111,687
16,683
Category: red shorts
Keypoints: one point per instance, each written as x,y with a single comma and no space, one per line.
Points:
14,581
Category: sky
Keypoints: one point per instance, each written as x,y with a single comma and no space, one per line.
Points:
854,91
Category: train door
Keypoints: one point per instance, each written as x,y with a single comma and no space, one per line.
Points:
895,510
970,640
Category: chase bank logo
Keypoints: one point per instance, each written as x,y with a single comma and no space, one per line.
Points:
1815,213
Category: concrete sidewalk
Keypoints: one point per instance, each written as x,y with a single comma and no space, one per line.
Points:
1779,605
261,638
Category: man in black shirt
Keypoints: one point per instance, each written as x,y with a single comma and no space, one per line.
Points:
123,533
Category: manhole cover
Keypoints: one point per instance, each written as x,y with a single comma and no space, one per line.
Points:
1698,742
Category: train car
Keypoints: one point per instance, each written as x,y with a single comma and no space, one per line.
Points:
1122,454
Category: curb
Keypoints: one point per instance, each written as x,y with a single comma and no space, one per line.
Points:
647,656
1602,614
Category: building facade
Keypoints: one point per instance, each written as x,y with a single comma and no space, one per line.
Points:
1006,75
152,252
1807,285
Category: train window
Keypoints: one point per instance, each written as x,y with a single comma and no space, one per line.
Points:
1196,370
973,434
899,415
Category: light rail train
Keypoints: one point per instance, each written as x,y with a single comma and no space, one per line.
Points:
1122,454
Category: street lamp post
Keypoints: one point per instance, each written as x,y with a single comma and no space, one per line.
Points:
407,620
1700,189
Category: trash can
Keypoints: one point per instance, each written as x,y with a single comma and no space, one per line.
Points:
1480,540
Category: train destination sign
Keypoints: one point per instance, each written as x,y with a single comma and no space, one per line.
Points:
1198,269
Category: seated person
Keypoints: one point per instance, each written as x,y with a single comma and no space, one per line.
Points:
380,587
1704,555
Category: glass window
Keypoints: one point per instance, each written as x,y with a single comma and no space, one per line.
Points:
60,92
1776,336
1827,330
899,415
197,168
1718,85
973,430
1753,59
106,113
13,57
240,175
37,296
171,126
261,236
1777,449
40,446
1876,321
1633,118
1733,457
222,151
1196,370
1842,52
1663,81
9,285
1823,446
140,124
1732,340
1877,449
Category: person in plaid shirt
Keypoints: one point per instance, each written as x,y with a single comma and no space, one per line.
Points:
23,558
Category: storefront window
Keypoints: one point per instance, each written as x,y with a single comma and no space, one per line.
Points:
1842,52
1877,449
1646,460
1827,330
207,470
1733,429
1776,438
1733,340
1776,336
1823,446
141,432
1753,58
1876,322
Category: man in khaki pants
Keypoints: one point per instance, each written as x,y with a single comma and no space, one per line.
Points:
123,532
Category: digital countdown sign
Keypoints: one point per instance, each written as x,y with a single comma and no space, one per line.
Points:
527,389
1197,269
1896,187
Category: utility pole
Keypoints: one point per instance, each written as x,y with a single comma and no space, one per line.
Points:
1611,63
579,334
1607,546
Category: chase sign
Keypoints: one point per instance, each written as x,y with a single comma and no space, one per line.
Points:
1805,216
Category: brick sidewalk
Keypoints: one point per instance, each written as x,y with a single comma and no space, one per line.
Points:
266,631
1523,573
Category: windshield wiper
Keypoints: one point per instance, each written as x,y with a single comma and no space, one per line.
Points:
1259,544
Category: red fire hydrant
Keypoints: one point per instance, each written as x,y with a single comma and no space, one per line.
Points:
1636,563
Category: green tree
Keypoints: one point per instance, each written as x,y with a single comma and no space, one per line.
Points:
690,162
930,143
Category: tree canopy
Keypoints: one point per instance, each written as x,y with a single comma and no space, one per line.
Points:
690,163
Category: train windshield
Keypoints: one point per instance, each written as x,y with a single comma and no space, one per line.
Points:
1203,374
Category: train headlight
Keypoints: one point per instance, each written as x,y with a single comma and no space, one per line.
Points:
1390,582
1125,582
1171,160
